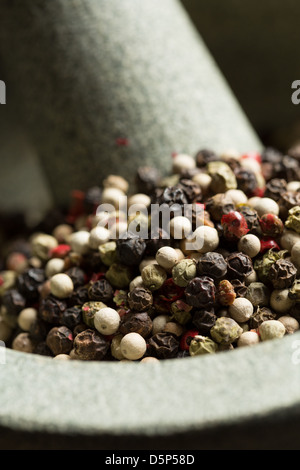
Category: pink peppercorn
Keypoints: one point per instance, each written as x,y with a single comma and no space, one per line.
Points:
186,339
267,244
60,251
234,225
271,225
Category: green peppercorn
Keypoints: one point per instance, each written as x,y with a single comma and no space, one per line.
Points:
271,329
222,176
262,266
89,310
153,276
202,345
294,291
119,275
108,253
293,220
258,294
226,330
184,271
181,312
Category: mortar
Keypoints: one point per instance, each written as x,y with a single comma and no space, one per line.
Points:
238,399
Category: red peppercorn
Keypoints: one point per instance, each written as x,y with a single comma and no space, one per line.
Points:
60,251
252,155
186,339
234,225
267,244
271,225
258,192
169,292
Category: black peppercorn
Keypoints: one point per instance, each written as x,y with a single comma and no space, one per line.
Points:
77,275
140,299
260,315
42,349
130,250
251,217
204,320
51,308
239,266
163,346
191,190
78,296
246,180
39,330
71,317
204,156
13,301
212,264
172,195
89,345
200,292
29,282
101,290
274,188
147,179
136,322
60,340
239,287
287,201
282,274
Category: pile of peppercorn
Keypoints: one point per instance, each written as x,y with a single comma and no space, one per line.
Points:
79,290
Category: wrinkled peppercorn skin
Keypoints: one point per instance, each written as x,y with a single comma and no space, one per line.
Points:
90,345
163,346
200,292
136,322
140,299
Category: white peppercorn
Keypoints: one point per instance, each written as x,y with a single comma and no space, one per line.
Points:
166,257
115,348
280,301
113,196
98,236
139,200
290,323
159,323
62,357
116,181
149,359
136,282
180,227
266,205
41,244
107,321
203,180
61,285
27,317
133,346
252,277
182,162
54,266
248,338
237,196
288,239
22,342
241,309
205,239
79,242
62,232
250,245
271,329
293,186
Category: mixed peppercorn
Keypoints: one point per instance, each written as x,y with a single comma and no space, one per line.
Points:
89,288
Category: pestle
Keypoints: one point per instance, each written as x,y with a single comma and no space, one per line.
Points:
103,86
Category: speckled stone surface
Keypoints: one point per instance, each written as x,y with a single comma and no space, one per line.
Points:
88,72
117,401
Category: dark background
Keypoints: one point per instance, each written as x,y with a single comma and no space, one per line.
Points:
256,45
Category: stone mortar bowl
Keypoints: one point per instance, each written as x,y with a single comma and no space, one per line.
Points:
248,398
